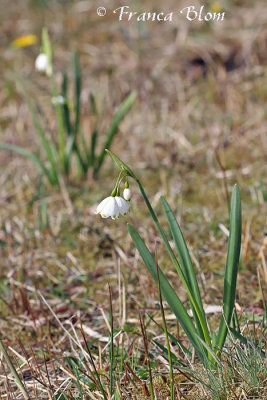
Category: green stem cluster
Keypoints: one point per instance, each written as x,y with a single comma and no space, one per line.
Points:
116,190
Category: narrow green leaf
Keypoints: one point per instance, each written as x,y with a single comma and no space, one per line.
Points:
85,148
213,340
169,294
67,123
64,92
93,104
186,265
72,145
231,269
73,129
213,357
92,157
47,48
118,117
61,137
83,164
49,148
43,211
30,156
69,148
77,78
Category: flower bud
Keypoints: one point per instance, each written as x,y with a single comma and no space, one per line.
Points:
127,194
41,63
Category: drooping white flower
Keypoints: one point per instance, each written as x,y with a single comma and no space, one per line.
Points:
42,63
112,207
127,194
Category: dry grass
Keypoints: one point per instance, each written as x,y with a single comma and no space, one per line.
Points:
198,127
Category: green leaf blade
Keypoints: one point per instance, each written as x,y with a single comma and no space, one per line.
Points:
30,156
231,269
169,294
78,85
185,264
47,47
118,117
50,149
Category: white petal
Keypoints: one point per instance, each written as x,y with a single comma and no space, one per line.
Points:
105,210
110,209
116,211
122,204
101,205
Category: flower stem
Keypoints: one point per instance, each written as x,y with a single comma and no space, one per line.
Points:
116,190
166,336
111,347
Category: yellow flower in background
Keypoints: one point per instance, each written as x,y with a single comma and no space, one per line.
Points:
24,41
215,7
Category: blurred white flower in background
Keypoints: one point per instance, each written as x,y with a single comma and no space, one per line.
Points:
58,100
112,207
42,64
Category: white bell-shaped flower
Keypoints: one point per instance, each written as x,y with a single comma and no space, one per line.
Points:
42,63
112,207
127,194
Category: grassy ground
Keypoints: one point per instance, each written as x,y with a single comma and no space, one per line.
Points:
197,127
